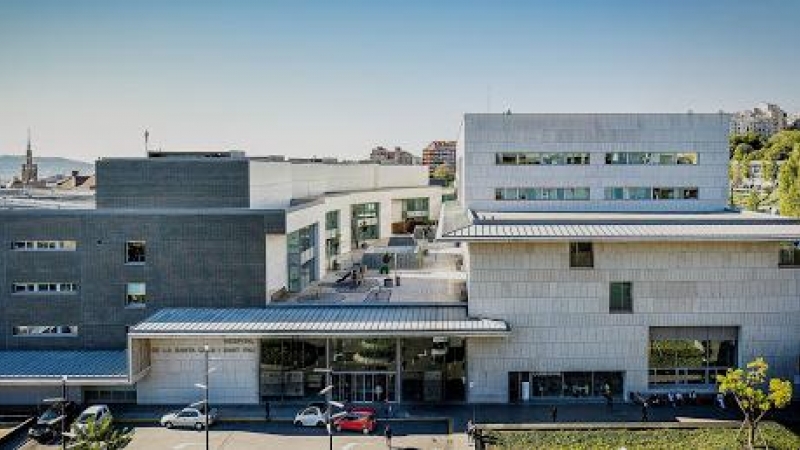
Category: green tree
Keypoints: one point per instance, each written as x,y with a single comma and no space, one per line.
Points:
753,200
751,139
443,172
101,436
747,387
789,185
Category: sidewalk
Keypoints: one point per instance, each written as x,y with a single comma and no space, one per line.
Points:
458,414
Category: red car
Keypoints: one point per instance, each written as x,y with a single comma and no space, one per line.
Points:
363,410
354,421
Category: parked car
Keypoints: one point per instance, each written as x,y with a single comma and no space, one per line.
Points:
193,416
98,413
354,421
48,424
311,416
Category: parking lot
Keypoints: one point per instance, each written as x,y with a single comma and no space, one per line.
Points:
258,435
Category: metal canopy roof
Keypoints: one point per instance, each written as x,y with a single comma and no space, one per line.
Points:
724,226
322,320
76,365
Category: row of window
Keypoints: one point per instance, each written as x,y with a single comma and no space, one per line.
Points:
566,193
651,193
584,158
135,293
134,250
64,246
45,330
43,287
547,159
611,193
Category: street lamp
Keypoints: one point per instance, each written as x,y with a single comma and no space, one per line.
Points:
205,387
63,411
328,393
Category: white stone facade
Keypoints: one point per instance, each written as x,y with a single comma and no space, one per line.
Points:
486,135
560,320
178,364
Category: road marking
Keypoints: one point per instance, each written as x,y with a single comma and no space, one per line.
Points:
184,445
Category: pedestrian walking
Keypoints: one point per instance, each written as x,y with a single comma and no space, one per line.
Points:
470,431
645,412
387,433
720,400
554,413
266,411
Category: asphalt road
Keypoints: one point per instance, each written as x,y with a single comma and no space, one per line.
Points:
248,436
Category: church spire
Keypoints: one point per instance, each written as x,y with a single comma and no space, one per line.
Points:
29,151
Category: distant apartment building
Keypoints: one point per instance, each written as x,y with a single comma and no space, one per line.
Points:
604,242
765,120
438,153
755,177
396,156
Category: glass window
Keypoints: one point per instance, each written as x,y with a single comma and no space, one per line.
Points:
66,246
686,158
363,354
135,251
45,330
790,254
689,361
689,193
581,254
529,159
614,193
639,193
136,295
663,193
332,220
620,297
507,158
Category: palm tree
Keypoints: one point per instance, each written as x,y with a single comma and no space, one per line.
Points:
101,436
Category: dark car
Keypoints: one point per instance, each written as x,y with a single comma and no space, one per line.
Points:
48,424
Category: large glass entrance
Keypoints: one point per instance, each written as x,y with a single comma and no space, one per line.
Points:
364,387
364,370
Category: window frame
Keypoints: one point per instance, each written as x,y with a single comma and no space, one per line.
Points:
622,305
128,245
575,255
792,262
135,300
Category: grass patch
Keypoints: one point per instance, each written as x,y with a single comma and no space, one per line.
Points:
778,437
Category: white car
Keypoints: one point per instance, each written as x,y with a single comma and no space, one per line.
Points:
191,417
98,413
311,416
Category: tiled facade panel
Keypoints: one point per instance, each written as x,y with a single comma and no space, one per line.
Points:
192,260
560,321
181,183
485,135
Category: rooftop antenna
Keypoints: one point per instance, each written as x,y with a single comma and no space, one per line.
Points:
146,139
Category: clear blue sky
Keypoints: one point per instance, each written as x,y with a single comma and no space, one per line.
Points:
338,77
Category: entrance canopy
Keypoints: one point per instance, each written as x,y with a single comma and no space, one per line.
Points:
81,367
321,320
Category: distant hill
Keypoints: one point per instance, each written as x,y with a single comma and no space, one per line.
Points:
48,165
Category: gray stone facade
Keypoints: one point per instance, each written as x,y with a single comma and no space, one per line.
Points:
173,183
193,259
560,319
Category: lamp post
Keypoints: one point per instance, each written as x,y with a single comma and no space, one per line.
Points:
328,393
206,406
63,410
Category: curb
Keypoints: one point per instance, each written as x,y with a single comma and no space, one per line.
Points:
143,420
12,434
